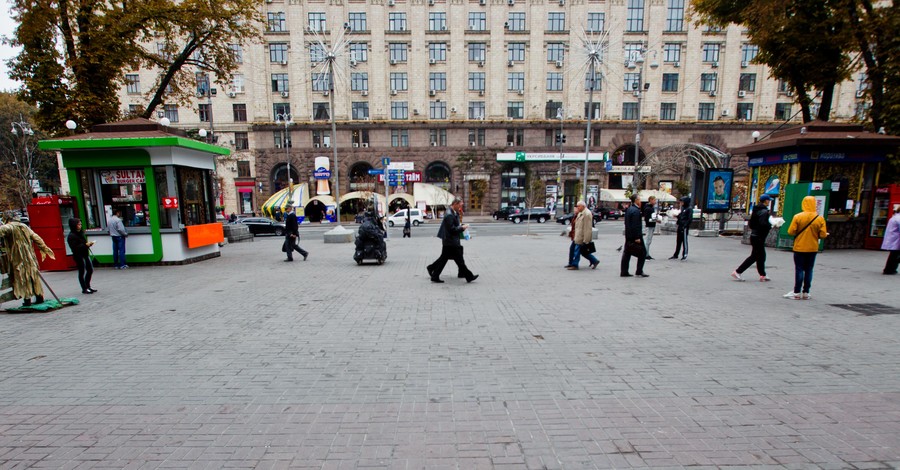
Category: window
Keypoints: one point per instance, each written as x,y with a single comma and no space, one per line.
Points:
515,81
672,52
596,110
633,52
556,51
237,83
132,83
437,109
515,109
438,137
711,51
282,139
516,22
359,81
708,81
594,82
397,21
476,81
515,136
359,51
862,110
359,137
706,112
783,87
629,111
476,110
399,110
399,81
243,166
317,22
130,197
237,53
516,52
675,16
670,82
749,52
360,110
202,81
747,82
476,137
635,16
782,111
280,82
397,51
552,109
280,109
667,111
171,112
554,81
321,82
316,53
134,109
556,21
321,111
477,21
276,23
277,52
477,51
204,111
632,81
745,111
437,21
437,81
595,22
357,22
399,138
242,142
437,51
321,139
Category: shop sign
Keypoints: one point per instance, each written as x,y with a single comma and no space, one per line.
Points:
526,157
322,173
170,203
122,176
409,177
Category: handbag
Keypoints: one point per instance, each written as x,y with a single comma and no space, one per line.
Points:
284,246
590,248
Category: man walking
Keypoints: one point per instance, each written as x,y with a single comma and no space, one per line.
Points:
449,234
759,229
291,234
118,233
682,225
581,236
634,242
650,216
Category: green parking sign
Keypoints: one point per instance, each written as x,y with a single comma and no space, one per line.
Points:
520,156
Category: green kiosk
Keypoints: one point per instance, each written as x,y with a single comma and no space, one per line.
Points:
162,181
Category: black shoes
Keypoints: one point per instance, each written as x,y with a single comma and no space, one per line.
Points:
430,271
683,257
288,260
641,275
649,257
436,280
625,275
472,278
88,291
305,256
673,257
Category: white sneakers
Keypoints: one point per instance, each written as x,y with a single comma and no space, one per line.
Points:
736,276
797,296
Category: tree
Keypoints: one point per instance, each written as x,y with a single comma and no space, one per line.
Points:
75,53
880,53
20,161
806,43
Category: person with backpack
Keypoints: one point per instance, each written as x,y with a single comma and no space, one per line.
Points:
807,228
759,229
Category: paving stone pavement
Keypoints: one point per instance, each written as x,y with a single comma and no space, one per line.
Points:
246,361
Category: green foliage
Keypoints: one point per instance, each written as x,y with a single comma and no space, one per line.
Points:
75,53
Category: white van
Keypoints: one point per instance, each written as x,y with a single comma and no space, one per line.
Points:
399,217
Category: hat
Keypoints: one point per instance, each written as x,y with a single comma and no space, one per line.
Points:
764,198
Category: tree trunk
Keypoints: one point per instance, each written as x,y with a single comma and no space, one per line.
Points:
827,100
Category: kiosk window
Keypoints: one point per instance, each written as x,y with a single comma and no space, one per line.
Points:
162,190
91,215
195,200
125,190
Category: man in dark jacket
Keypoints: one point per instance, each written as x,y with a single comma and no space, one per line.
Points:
291,234
451,247
634,240
649,213
759,229
682,225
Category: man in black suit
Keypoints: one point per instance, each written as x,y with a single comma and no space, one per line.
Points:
291,234
452,249
634,240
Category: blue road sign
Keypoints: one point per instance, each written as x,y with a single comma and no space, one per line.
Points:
608,165
373,171
385,161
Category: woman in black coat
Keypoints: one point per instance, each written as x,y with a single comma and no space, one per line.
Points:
81,252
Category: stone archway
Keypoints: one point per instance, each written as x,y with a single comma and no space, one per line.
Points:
360,179
278,177
683,161
623,157
439,174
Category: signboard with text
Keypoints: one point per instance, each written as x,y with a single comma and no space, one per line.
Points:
122,177
170,203
408,177
525,157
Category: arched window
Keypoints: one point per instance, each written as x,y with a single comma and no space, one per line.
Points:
360,179
280,178
438,174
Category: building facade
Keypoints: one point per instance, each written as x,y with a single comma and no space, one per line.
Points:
450,85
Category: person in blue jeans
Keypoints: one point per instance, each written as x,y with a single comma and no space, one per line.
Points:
118,233
581,236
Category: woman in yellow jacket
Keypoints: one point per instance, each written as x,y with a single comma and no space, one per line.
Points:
807,227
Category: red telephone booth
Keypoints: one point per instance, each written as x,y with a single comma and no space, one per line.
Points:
886,197
50,220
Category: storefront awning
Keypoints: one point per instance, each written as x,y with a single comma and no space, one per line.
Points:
326,199
613,195
431,194
661,196
405,196
298,197
364,195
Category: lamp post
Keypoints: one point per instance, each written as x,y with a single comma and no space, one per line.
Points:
287,119
594,58
559,193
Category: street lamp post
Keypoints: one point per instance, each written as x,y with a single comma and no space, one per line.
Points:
594,58
559,193
287,119
639,89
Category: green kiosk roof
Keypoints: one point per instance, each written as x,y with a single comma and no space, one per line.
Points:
134,133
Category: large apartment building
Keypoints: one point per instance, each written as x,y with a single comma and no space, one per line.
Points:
457,86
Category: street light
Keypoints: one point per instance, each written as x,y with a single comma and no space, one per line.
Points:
559,193
637,59
287,119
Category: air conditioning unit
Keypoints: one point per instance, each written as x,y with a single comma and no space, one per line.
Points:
284,94
284,62
521,92
742,94
325,93
353,63
453,109
744,65
393,62
510,2
268,1
712,93
481,64
636,93
431,2
860,93
326,145
790,93
390,3
562,3
509,63
480,92
431,92
509,144
559,64
471,144
714,65
415,112
434,144
317,145
432,61
506,25
231,94
482,2
355,144
676,64
365,145
724,112
393,92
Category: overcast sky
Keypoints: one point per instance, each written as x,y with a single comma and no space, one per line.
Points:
6,29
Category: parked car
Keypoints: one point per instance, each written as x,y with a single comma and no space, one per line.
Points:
505,212
541,214
261,225
566,218
399,217
607,213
